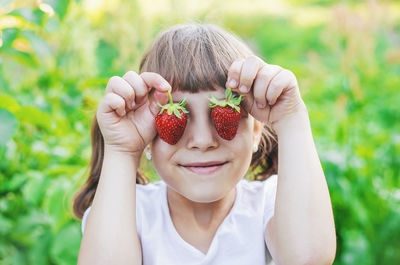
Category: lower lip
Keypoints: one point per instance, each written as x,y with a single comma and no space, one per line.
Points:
204,170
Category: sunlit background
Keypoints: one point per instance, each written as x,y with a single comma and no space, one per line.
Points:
56,57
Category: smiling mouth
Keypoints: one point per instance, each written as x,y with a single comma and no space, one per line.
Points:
204,167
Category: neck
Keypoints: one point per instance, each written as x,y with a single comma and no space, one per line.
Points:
203,215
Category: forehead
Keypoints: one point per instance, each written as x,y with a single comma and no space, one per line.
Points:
200,96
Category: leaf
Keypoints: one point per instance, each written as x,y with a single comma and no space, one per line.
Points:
53,202
8,126
32,115
34,190
16,182
106,54
37,253
177,113
38,44
63,250
8,102
5,225
8,35
9,21
35,16
24,58
59,6
25,230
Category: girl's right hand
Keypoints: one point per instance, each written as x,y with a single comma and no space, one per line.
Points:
126,114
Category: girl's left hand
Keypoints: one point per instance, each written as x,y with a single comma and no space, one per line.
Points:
271,92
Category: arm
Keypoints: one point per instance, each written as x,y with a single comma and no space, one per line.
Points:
126,119
302,230
110,235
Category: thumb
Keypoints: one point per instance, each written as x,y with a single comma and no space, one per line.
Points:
160,97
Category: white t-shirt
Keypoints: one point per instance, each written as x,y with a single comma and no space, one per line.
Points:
238,240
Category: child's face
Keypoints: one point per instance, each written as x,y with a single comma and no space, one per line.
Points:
226,161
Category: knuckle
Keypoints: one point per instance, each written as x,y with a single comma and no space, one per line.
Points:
130,73
117,97
110,97
287,72
156,76
276,66
143,75
114,79
291,75
235,67
138,89
246,81
252,59
234,72
263,75
260,99
237,62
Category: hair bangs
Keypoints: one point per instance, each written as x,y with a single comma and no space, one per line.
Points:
194,57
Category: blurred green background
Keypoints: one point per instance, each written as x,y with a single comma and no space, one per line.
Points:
56,57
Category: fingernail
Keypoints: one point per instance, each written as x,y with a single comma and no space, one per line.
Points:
243,89
133,104
260,105
165,86
232,83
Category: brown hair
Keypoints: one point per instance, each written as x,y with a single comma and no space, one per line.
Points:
193,58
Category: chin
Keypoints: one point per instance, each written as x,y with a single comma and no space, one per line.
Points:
206,193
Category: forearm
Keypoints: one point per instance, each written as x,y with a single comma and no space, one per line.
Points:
304,224
110,235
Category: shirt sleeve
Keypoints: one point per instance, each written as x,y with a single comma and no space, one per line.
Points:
84,218
269,194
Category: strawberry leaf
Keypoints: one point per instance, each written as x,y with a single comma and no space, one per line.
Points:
173,107
177,114
230,99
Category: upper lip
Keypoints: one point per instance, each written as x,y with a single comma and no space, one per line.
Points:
203,164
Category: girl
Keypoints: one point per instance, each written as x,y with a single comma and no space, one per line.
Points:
203,211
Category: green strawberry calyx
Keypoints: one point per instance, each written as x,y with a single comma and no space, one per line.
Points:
173,107
230,100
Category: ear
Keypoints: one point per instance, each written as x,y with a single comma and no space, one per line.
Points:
257,131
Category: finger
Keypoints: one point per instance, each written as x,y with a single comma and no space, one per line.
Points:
249,71
157,97
283,80
234,74
260,87
138,85
263,78
120,87
160,95
154,80
112,102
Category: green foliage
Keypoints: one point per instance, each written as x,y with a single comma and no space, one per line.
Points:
54,69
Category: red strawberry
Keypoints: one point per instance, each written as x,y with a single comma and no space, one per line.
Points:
226,114
171,121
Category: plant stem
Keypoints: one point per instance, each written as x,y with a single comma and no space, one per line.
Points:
229,93
170,98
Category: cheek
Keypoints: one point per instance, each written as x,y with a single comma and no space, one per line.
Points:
246,128
160,152
242,143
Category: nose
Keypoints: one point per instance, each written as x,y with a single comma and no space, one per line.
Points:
201,134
